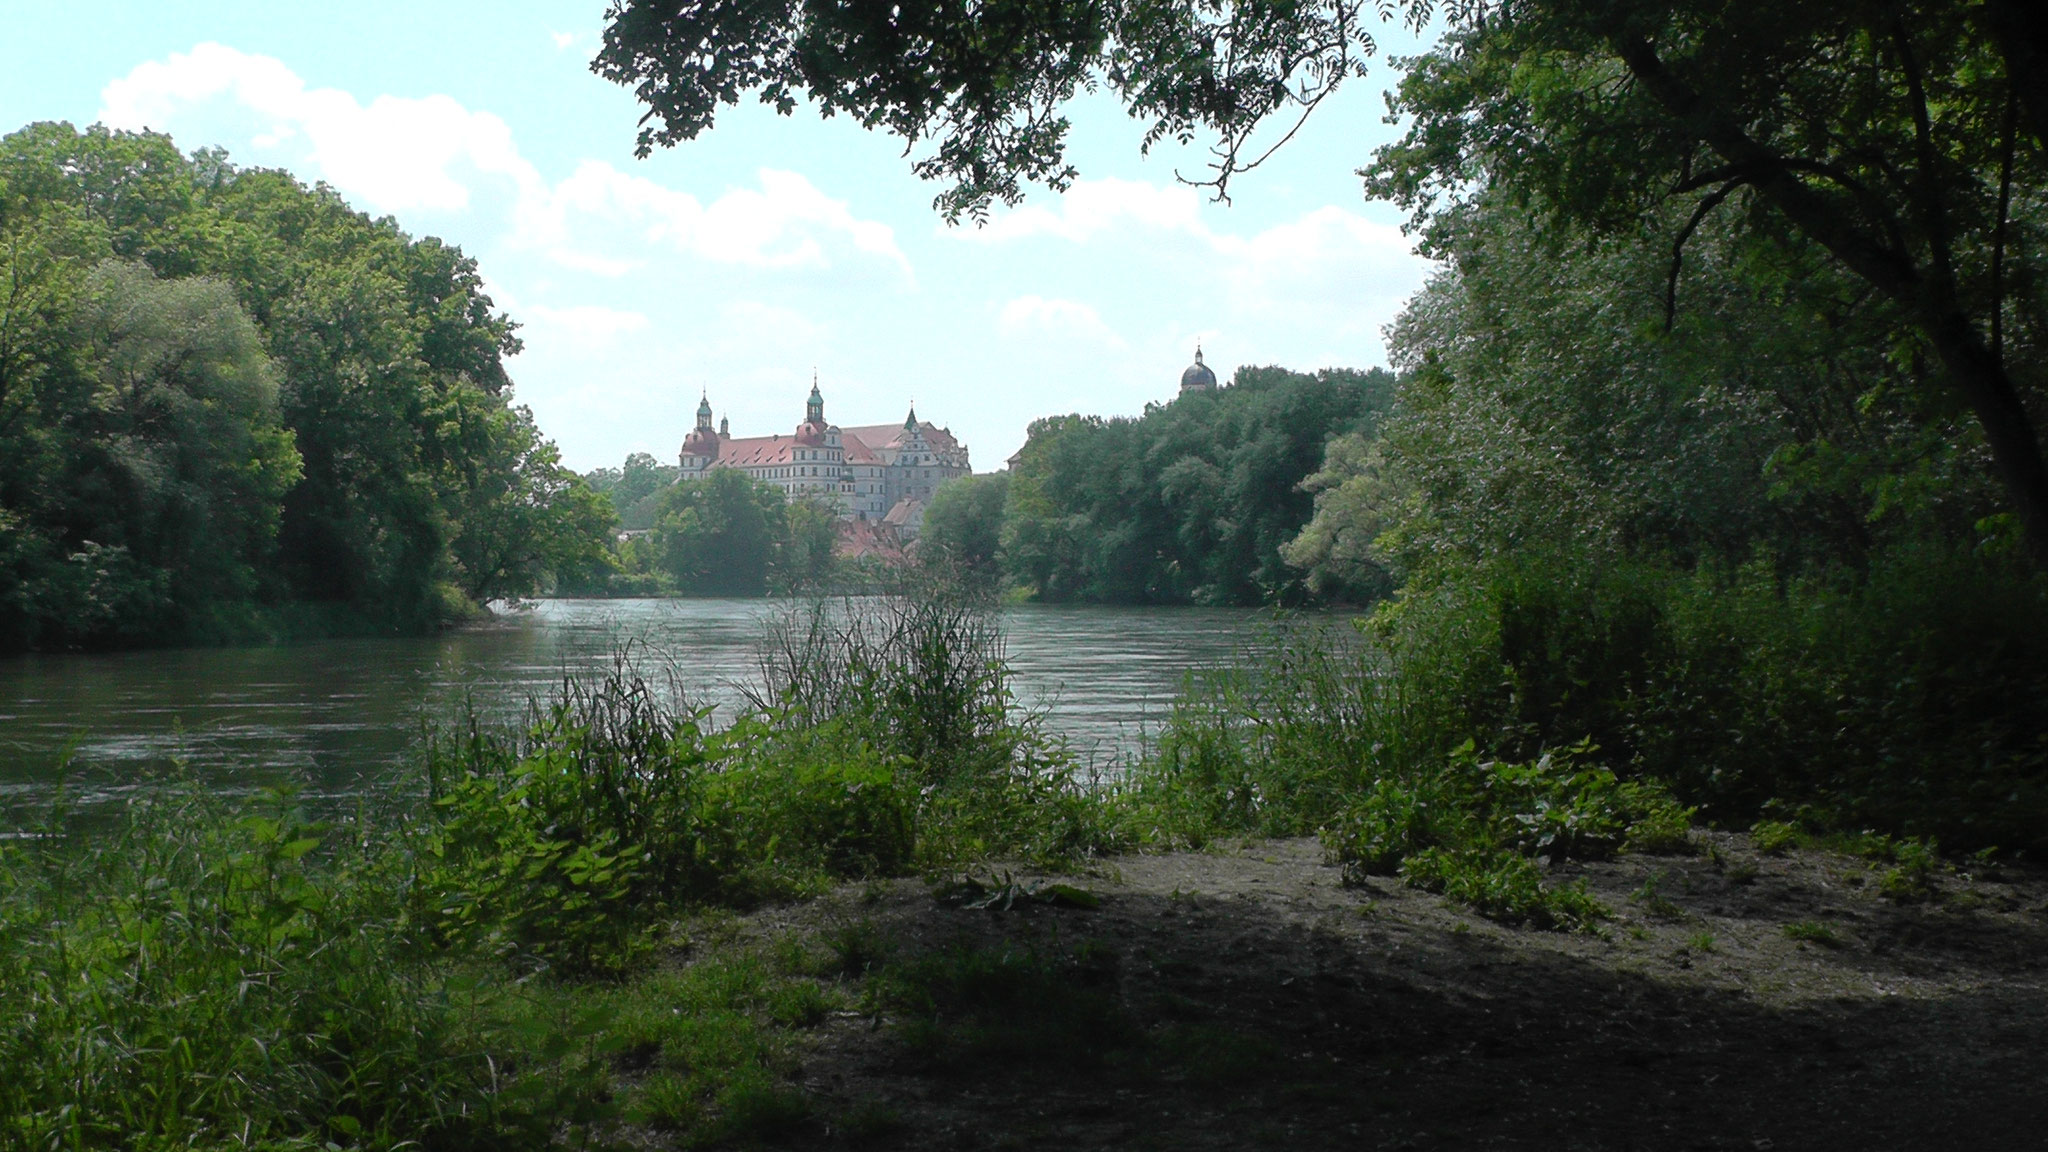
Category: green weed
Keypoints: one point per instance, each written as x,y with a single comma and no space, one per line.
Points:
1813,932
211,972
1773,837
1503,886
1650,897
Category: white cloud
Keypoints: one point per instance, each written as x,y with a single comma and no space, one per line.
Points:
1063,322
1317,286
397,154
786,223
401,154
562,39
1328,254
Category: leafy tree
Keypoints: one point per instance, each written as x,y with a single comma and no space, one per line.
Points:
984,84
804,552
1190,503
225,396
1903,140
717,536
1547,403
187,461
521,521
963,526
634,486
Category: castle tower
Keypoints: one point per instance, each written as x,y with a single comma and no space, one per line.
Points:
700,447
814,408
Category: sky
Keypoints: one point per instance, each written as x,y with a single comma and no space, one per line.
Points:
770,248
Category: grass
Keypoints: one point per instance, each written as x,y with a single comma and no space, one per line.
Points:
207,973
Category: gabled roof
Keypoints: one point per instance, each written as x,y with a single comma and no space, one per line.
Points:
757,451
903,512
883,435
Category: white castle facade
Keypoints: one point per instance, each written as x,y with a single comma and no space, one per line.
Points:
878,472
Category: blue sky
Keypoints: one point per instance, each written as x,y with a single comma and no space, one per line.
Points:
768,248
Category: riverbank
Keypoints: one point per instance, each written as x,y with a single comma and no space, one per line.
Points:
1247,998
785,963
883,906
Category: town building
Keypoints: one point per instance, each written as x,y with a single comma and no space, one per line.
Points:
873,472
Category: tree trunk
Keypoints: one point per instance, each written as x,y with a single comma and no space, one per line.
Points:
2020,29
1965,356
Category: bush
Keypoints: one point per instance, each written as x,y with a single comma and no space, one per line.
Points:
1502,886
1477,830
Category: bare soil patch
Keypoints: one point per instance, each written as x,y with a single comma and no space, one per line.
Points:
1248,999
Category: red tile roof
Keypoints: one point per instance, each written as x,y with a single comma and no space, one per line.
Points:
757,451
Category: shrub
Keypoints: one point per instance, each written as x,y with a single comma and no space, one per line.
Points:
1475,830
1503,886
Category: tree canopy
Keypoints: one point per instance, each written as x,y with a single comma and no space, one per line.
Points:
1904,141
229,402
984,84
1191,503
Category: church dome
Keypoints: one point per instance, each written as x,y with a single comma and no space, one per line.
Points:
1198,377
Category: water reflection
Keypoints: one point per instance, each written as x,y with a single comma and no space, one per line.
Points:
329,717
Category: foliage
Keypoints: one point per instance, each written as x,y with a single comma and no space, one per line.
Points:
963,526
1750,555
875,744
1897,146
1190,503
230,406
633,487
717,536
718,1069
207,973
986,83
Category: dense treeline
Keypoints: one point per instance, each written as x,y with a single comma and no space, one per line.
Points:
1669,486
724,534
233,407
1190,503
635,488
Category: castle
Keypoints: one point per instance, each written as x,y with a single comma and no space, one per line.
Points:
884,473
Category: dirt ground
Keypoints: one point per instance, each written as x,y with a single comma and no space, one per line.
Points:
1260,1003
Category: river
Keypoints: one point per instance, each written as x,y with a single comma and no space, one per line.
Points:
331,718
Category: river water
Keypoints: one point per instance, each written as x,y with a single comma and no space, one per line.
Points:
334,717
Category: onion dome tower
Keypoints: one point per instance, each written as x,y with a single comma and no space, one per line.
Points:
812,431
1198,377
702,442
